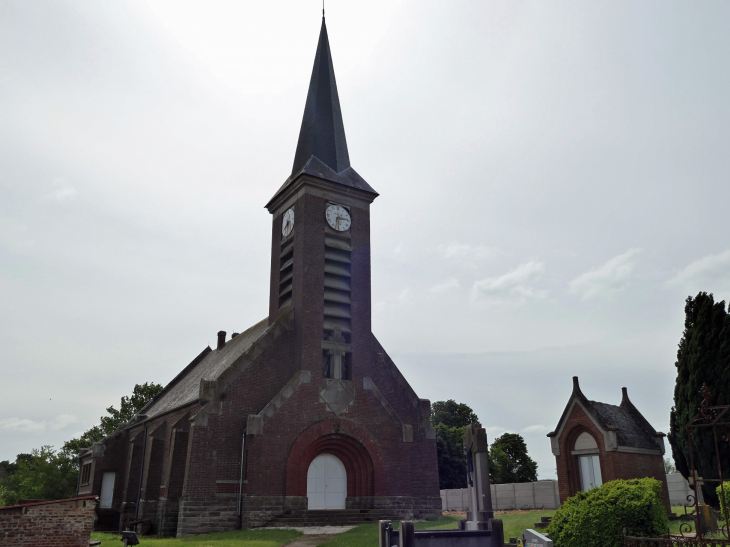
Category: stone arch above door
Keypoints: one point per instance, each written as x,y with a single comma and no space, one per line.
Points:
353,446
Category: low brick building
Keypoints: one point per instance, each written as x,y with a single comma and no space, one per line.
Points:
303,417
594,443
60,523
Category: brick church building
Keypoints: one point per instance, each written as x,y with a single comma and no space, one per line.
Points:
595,443
302,418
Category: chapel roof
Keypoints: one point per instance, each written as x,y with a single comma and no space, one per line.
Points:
185,387
322,146
632,429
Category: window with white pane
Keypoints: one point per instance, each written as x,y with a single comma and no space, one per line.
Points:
589,463
590,472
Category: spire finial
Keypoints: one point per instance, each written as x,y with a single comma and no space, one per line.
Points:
322,9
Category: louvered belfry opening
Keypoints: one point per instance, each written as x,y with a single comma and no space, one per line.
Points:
286,271
337,302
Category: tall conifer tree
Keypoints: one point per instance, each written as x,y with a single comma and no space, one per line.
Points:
703,357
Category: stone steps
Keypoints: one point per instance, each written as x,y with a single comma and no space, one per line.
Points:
544,523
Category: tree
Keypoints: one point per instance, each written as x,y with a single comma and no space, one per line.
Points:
452,414
703,357
509,461
49,474
669,466
450,419
42,474
450,455
128,407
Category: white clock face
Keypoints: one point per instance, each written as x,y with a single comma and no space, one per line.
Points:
338,218
287,223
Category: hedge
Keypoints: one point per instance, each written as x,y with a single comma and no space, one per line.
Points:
597,518
723,502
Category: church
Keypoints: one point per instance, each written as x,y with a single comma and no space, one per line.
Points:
301,419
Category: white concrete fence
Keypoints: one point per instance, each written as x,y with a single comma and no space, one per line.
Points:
521,495
542,495
679,489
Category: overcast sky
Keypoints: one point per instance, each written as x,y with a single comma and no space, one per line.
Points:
553,182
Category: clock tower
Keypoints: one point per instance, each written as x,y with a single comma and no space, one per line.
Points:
320,253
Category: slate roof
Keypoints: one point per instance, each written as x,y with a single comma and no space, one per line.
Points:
322,133
629,431
185,387
632,429
322,146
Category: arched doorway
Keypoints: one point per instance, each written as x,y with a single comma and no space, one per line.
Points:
326,483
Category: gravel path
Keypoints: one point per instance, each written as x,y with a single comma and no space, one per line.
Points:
313,530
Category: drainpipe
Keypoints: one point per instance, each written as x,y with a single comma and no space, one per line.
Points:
141,472
240,481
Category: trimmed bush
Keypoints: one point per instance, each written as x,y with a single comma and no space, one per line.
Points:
723,502
598,517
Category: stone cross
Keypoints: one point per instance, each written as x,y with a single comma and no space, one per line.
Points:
337,349
697,483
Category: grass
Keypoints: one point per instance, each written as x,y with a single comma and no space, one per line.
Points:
239,538
366,535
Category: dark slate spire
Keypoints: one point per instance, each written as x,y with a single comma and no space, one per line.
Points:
322,134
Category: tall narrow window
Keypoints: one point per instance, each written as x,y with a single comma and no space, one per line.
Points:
326,364
590,472
85,474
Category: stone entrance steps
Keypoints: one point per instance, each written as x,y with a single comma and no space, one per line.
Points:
342,517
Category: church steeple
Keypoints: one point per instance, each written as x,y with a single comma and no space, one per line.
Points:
322,133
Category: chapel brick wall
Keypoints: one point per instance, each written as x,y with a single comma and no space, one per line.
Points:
614,464
65,523
639,466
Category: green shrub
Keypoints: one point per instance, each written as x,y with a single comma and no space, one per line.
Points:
598,517
723,502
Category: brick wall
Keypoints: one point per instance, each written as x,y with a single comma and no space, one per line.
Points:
65,523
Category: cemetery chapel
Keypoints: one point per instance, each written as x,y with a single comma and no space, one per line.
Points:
302,418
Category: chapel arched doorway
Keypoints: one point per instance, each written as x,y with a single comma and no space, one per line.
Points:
326,483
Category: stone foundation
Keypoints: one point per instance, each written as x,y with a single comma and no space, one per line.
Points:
406,507
264,510
167,517
219,514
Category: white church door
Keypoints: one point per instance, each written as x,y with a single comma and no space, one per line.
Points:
326,483
107,490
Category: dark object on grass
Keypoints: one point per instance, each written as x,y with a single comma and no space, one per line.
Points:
130,538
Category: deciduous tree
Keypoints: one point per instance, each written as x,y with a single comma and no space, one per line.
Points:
509,461
450,419
50,474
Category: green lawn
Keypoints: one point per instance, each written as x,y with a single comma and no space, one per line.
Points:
366,535
249,538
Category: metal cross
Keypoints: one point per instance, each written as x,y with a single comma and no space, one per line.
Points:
337,349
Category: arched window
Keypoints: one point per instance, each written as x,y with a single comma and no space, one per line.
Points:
589,463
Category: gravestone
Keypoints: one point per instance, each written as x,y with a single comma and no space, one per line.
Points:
531,538
480,515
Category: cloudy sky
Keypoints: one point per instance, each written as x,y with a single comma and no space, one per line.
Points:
553,180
